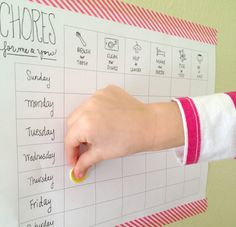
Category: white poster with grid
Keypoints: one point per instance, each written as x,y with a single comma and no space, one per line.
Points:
46,74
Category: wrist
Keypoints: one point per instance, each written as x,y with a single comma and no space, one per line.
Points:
167,126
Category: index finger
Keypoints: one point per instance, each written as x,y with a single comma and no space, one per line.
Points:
72,144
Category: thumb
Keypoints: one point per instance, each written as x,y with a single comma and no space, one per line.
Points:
85,161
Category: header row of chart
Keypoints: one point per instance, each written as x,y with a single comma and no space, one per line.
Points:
90,50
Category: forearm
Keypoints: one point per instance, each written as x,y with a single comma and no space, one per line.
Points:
168,126
113,124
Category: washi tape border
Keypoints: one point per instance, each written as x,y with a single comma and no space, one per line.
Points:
169,216
118,11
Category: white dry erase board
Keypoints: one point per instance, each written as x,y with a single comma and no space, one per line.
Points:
55,54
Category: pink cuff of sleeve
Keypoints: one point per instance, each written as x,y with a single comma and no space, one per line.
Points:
209,127
192,131
232,95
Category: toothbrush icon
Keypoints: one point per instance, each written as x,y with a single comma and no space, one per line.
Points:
81,39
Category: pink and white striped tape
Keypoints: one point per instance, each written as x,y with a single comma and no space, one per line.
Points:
169,216
118,11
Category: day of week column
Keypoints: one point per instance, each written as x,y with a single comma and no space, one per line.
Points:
198,87
159,91
39,112
110,71
80,83
180,87
137,84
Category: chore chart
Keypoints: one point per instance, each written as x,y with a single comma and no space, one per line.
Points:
53,56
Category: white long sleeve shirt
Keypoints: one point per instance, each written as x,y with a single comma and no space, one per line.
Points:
209,127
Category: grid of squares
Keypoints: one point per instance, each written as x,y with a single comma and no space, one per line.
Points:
151,72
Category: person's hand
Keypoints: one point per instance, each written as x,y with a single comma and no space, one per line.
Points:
112,124
109,125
